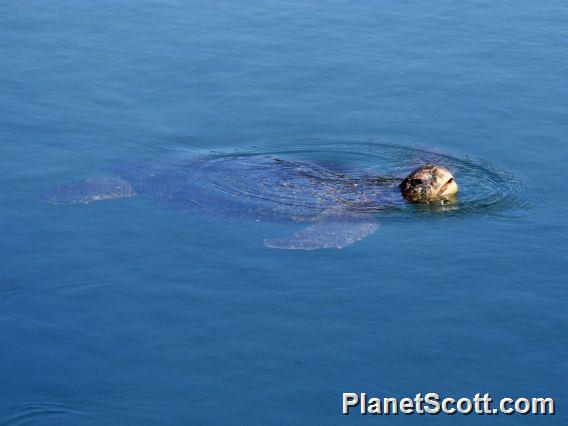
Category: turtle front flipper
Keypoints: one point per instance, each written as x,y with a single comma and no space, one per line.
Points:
332,231
90,190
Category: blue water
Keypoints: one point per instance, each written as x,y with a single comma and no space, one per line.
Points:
128,312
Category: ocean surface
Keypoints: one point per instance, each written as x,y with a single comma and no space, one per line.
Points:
128,312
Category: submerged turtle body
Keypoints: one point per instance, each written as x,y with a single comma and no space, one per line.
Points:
252,188
340,200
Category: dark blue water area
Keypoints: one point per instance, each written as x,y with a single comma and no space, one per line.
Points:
129,312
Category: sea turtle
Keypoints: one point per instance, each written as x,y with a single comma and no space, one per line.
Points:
341,202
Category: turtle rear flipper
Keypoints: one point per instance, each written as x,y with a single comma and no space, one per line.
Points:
330,232
90,190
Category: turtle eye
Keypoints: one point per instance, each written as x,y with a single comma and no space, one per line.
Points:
415,182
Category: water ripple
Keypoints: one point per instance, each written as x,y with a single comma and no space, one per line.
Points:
245,180
44,413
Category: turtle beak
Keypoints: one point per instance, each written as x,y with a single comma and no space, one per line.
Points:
449,188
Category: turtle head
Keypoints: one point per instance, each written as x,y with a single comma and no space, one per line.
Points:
429,183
